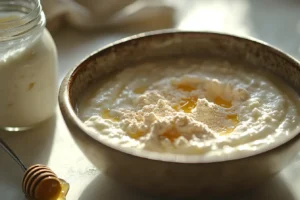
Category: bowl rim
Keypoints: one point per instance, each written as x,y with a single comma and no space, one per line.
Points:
69,114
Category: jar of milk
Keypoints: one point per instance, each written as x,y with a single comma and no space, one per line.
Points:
28,66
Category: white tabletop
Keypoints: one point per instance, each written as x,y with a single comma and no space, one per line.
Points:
274,21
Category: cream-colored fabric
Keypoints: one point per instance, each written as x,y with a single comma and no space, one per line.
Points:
95,14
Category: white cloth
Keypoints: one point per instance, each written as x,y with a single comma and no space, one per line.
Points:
95,14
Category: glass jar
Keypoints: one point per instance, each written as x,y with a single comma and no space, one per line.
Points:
28,66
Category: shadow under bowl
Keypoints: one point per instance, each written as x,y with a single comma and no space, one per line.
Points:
176,176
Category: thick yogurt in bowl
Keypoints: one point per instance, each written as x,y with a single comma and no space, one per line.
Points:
210,108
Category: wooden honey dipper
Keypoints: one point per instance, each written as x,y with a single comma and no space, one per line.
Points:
39,181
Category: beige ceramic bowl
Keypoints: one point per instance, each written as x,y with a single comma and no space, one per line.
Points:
180,176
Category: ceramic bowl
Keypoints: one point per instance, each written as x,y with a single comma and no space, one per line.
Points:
177,176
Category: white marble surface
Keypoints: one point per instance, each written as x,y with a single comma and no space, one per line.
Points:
274,21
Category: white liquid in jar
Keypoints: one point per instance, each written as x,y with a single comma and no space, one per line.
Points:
28,83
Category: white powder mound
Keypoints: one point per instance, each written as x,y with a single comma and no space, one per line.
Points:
211,108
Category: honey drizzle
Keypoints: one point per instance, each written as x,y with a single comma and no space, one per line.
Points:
106,115
186,87
222,102
233,118
235,121
187,104
136,135
171,134
140,90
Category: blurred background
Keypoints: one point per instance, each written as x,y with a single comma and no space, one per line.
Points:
82,21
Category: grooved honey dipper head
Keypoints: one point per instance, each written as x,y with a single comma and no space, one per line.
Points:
41,183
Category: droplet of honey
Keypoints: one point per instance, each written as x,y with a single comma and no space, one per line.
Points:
186,87
187,104
64,189
136,135
222,102
235,121
171,134
228,130
233,118
140,90
176,107
106,115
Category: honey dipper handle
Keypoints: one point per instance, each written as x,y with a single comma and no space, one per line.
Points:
12,154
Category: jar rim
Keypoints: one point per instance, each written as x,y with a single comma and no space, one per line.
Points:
22,17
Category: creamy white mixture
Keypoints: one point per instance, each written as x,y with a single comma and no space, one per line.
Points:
28,86
207,108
